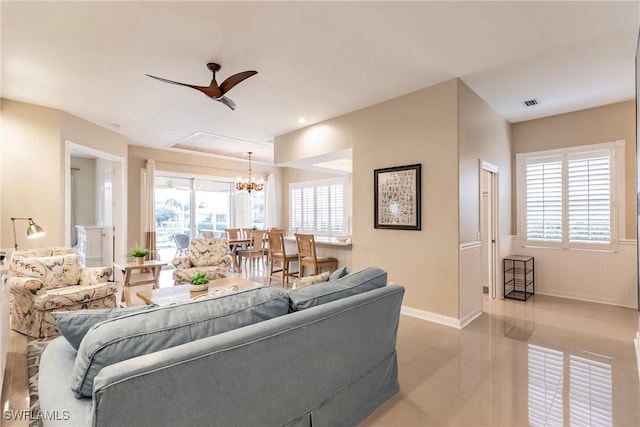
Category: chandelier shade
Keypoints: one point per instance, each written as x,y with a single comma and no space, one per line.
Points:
249,184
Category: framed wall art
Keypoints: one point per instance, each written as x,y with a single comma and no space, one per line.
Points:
397,197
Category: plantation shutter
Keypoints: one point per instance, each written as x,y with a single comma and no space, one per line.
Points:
336,207
589,197
318,206
544,199
295,207
322,208
308,208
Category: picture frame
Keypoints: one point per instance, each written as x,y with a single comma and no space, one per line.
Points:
397,197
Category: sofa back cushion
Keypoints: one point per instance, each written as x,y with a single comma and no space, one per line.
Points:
123,338
54,271
351,284
74,325
204,252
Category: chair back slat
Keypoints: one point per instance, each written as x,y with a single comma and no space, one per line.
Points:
306,245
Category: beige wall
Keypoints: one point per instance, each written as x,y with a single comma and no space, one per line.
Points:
420,127
483,134
182,163
34,166
32,179
595,125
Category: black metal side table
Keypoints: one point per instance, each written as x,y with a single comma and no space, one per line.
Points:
519,277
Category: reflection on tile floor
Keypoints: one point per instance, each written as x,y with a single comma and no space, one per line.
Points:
547,361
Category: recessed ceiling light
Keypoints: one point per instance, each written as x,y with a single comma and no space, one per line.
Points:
302,120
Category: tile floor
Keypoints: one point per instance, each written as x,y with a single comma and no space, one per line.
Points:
547,361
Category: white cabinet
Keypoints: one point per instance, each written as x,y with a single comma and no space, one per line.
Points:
90,242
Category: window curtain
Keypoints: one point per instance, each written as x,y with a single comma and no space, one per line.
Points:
242,205
147,209
271,209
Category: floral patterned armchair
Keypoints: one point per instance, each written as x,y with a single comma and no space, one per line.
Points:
206,255
54,282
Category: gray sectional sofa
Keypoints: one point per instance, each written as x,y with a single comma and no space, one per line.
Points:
322,355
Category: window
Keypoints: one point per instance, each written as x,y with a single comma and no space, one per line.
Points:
567,196
319,207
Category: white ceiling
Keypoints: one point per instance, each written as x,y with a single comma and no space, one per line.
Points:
315,59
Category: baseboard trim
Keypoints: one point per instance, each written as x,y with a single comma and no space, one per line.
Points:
431,317
470,317
583,298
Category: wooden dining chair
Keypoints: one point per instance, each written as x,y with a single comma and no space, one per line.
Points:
256,250
278,257
234,234
307,256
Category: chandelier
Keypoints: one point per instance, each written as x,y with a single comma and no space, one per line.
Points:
249,185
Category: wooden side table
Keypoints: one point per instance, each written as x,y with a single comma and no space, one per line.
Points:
128,270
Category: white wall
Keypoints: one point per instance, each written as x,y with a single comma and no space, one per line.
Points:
605,277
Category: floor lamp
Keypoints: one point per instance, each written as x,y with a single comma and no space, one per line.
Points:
33,232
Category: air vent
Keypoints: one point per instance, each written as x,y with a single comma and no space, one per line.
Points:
530,102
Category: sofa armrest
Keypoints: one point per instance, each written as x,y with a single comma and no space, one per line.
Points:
28,286
95,275
181,262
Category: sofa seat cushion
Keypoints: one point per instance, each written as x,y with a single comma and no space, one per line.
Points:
74,325
119,339
351,284
54,271
213,272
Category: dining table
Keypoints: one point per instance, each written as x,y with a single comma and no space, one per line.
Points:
234,245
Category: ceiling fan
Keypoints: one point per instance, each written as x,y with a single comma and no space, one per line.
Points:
213,90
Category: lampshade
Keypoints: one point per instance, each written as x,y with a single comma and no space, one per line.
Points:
34,231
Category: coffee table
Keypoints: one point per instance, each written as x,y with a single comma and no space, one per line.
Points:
183,293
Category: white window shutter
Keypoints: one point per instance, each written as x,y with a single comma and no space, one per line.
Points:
589,198
544,200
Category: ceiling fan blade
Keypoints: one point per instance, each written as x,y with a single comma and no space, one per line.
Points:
230,82
226,101
167,80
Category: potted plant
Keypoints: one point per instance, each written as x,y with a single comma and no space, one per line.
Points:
139,254
199,282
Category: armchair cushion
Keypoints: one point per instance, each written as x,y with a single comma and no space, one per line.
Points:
54,271
181,262
95,275
204,252
40,252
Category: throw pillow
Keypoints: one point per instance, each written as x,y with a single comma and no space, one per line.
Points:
54,271
352,284
115,340
74,325
311,280
339,273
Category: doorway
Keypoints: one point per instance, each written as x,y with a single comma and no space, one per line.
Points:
94,193
489,227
